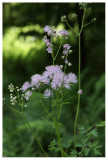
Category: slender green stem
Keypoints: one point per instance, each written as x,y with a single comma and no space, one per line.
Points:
59,106
58,136
46,110
65,93
44,106
70,97
76,121
78,95
88,23
70,27
52,53
59,140
79,61
59,111
58,50
32,130
82,22
22,113
54,120
53,58
13,109
53,107
65,67
56,127
79,37
65,64
34,134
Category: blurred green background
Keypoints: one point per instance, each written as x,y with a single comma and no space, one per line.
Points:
24,54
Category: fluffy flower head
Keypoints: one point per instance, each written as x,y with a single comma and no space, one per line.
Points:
25,86
63,32
66,46
27,95
55,77
49,49
36,79
47,93
71,78
47,28
45,40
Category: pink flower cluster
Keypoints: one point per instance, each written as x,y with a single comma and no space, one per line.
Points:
50,33
52,77
66,51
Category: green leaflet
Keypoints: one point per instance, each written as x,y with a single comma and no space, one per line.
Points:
73,152
97,152
93,133
78,144
95,143
86,151
84,140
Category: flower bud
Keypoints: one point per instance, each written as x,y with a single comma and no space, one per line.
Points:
94,19
69,64
63,18
62,57
80,92
74,15
70,51
61,66
66,61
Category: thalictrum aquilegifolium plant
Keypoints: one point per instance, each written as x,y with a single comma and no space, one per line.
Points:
55,83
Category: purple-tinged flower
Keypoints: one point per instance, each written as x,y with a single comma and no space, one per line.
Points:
27,95
63,32
46,77
47,93
53,77
66,61
53,69
54,32
49,50
47,28
25,86
65,52
50,32
45,40
36,80
57,80
80,92
71,78
66,46
50,74
66,85
61,66
48,44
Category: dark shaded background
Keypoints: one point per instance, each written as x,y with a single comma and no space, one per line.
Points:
24,54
